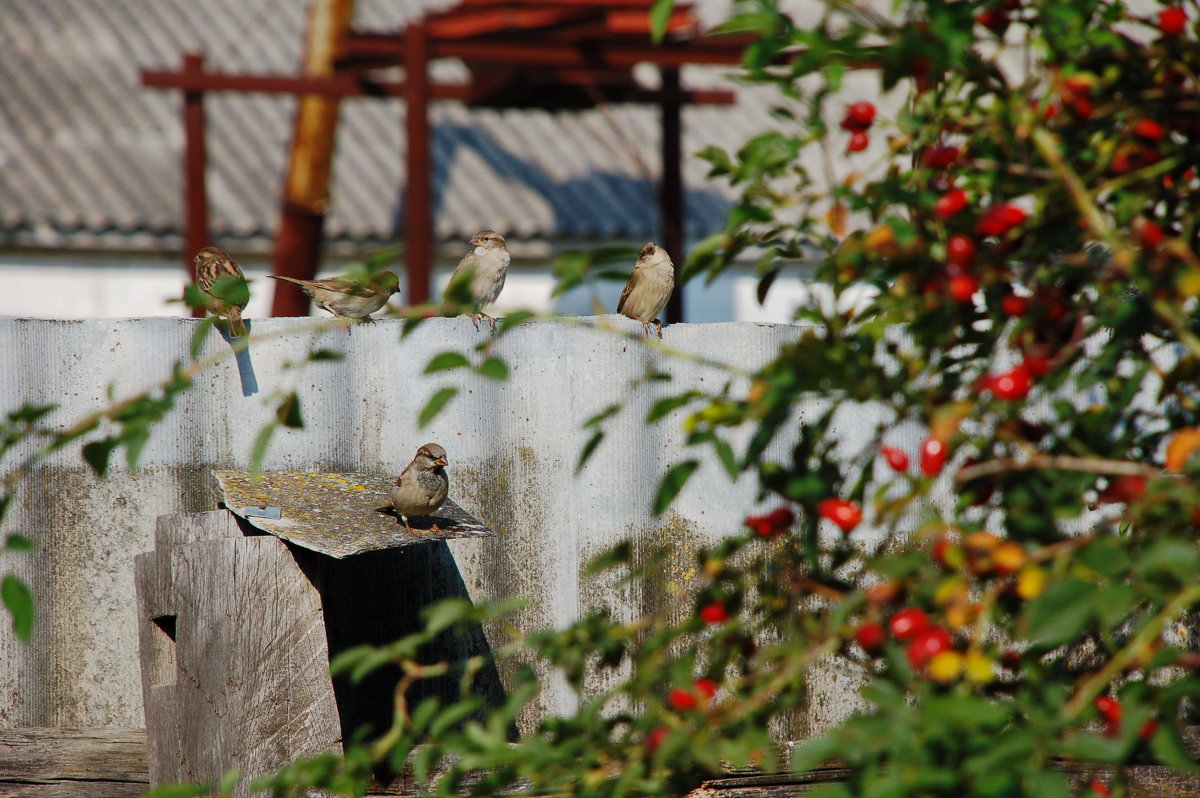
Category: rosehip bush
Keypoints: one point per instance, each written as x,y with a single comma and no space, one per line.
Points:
1019,597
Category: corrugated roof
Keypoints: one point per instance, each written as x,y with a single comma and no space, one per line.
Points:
85,151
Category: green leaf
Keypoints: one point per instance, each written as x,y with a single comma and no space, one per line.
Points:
726,456
197,344
514,319
288,412
232,289
1060,613
259,451
589,449
669,403
435,405
325,354
229,780
19,601
673,482
618,555
660,15
446,361
1170,750
96,454
179,791
494,368
15,542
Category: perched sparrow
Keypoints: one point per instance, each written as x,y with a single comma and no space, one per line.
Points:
487,264
347,298
211,265
649,287
422,485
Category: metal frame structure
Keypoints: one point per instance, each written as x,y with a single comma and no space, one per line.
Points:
545,54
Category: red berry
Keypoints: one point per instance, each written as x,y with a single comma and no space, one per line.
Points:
908,623
1083,107
895,458
994,19
1099,788
948,554
1172,21
655,738
939,157
782,517
682,699
1014,384
926,644
1037,365
859,116
962,287
870,636
960,251
950,204
933,456
1014,305
714,613
999,219
1123,490
846,514
1149,129
858,142
1149,234
1148,729
706,688
1110,711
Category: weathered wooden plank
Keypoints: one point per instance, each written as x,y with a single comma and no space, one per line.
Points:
253,690
73,763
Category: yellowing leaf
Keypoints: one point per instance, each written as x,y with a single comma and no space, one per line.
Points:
1181,447
835,219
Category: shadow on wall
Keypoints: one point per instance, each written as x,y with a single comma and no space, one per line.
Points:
377,598
573,200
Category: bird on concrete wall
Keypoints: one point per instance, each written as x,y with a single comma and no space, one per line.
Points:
422,485
346,297
649,287
212,266
485,267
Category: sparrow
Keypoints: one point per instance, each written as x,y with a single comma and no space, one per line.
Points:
649,287
211,265
422,485
487,264
345,297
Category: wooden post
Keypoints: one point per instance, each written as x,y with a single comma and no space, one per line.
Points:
306,187
235,664
671,191
196,234
418,215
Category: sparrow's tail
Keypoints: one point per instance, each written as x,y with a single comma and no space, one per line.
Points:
286,279
237,327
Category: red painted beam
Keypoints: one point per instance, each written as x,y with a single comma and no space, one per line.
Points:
196,234
671,198
418,191
460,23
338,86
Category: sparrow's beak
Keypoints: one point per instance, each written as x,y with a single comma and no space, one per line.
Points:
476,241
441,461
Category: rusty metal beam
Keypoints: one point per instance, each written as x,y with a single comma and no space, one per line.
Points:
196,234
671,201
334,86
310,167
418,190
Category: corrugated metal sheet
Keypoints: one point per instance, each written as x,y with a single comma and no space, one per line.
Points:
85,151
512,446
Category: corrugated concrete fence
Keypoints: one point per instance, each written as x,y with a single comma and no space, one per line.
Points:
512,447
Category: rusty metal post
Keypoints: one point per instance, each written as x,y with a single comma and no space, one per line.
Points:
671,201
306,187
418,196
196,234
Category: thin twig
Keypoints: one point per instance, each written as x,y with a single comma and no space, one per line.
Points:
1057,462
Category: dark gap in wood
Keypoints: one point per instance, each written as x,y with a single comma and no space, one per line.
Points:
167,624
376,598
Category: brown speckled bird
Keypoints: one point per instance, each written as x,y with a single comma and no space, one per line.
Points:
211,265
487,265
423,484
649,287
347,298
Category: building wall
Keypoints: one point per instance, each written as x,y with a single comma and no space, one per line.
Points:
512,447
